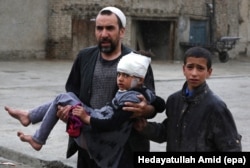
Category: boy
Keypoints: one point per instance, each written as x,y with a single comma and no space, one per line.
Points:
109,127
197,120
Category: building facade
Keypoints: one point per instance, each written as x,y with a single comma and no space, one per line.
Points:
160,26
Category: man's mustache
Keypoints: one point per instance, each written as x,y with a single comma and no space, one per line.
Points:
105,40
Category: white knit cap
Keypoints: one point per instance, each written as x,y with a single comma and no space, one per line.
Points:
118,13
134,64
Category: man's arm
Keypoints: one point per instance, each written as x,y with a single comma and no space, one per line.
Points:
63,112
145,110
142,109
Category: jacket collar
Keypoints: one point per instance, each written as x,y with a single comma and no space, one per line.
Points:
197,93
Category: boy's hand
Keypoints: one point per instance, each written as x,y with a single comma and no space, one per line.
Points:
82,114
140,124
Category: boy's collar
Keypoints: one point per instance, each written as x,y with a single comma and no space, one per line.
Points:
188,92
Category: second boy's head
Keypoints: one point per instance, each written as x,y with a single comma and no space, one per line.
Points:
131,70
197,66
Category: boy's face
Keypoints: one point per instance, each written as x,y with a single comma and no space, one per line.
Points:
125,81
196,71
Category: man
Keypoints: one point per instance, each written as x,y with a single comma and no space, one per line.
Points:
93,80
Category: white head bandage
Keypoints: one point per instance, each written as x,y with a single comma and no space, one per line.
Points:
118,13
134,64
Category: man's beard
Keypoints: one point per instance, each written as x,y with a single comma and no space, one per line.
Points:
107,49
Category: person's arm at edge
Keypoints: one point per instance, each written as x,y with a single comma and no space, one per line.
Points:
153,131
226,136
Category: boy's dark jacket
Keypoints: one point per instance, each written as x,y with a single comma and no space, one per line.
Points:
200,123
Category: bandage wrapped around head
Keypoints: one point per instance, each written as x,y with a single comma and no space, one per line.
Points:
134,64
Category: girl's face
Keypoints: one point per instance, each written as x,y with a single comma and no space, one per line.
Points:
196,71
126,82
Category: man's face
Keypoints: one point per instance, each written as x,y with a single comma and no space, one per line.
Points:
108,33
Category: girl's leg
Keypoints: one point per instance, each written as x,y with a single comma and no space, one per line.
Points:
30,140
37,114
26,117
50,118
21,115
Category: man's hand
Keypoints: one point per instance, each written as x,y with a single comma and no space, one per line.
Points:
142,109
63,112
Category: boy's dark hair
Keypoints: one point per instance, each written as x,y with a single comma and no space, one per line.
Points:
199,52
145,53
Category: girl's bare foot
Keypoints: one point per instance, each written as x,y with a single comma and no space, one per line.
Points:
21,115
28,138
